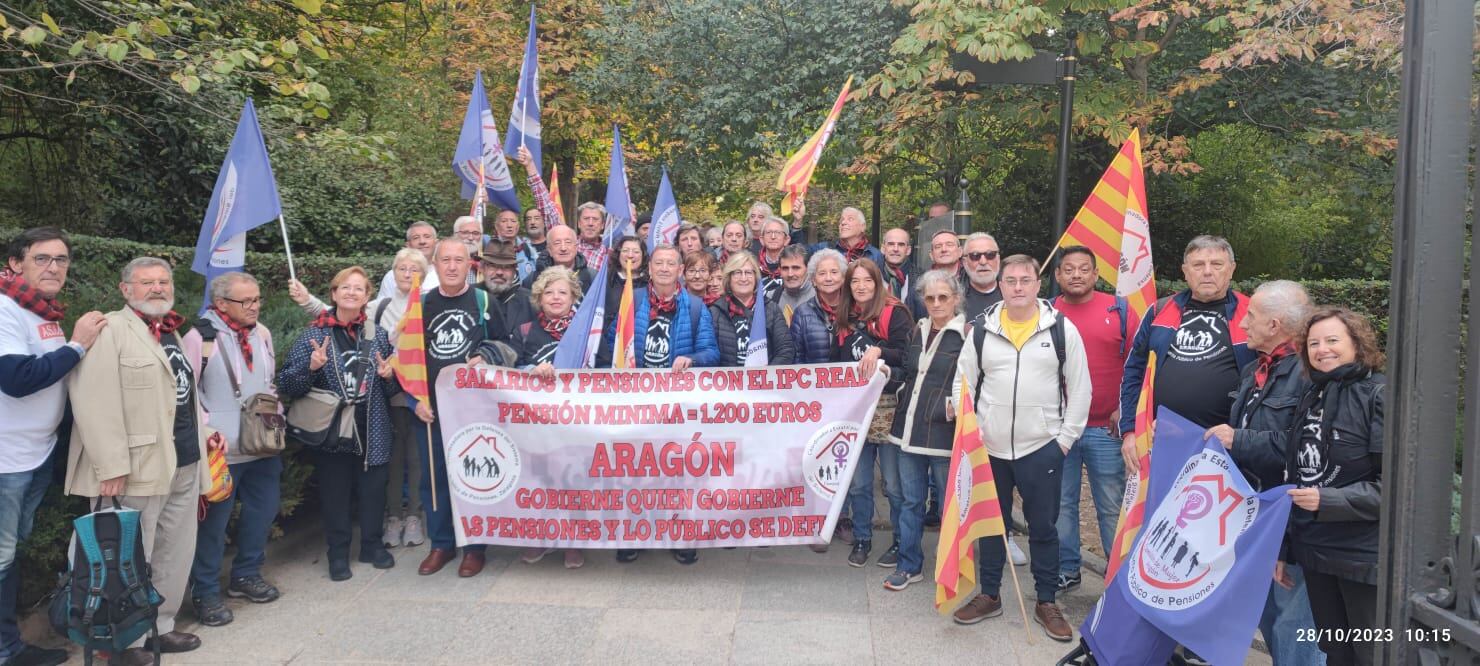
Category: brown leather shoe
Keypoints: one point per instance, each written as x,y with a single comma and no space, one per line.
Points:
978,609
174,642
471,565
1048,614
435,560
133,657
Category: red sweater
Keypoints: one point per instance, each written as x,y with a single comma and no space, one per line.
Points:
1099,327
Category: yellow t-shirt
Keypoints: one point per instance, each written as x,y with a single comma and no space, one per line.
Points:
1018,331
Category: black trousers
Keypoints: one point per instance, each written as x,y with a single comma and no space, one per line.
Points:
1341,604
1036,477
340,476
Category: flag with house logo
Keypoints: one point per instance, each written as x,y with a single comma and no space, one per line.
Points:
796,174
1114,226
1133,504
1210,539
757,349
664,228
577,349
479,158
971,510
524,119
245,197
410,359
618,196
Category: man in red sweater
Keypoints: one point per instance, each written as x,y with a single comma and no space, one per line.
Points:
1107,325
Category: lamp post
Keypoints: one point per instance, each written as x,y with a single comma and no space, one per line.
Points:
963,220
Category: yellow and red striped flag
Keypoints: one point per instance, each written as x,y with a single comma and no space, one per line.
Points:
1113,224
410,361
622,352
555,196
1133,506
971,511
797,172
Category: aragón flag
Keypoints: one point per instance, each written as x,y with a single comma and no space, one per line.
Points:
1113,224
1133,504
555,198
797,172
622,351
410,361
971,512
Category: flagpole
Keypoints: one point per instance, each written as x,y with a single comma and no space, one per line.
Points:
1044,267
523,117
292,275
1016,587
432,474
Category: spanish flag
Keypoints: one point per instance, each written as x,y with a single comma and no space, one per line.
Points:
797,172
555,198
1133,506
971,511
1113,224
622,352
410,361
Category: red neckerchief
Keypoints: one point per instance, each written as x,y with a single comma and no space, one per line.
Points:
855,252
26,296
326,319
770,271
169,323
873,325
829,310
711,299
555,327
897,271
736,308
1267,362
724,255
243,335
658,308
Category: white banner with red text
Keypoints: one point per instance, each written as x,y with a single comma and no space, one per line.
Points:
707,457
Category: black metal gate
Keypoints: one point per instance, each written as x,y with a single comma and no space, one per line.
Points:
1428,593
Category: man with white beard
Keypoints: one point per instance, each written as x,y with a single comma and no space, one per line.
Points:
142,437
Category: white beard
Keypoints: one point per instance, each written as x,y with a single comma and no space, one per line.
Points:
153,308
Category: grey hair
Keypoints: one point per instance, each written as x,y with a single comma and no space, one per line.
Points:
465,219
980,235
145,262
763,206
411,255
861,217
222,284
1208,242
1286,302
590,205
795,250
824,255
417,224
946,279
772,219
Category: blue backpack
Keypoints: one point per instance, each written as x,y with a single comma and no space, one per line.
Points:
106,600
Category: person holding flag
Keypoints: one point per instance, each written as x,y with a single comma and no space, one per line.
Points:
591,224
742,315
670,329
922,425
773,240
1034,392
852,241
629,260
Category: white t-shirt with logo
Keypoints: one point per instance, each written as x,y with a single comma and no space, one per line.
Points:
30,423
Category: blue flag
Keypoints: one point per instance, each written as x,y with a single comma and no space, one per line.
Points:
524,120
756,352
1201,567
577,349
245,197
664,228
618,198
477,145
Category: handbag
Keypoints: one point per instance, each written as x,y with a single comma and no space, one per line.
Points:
319,417
221,482
263,429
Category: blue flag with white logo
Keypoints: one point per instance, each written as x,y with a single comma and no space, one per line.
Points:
577,349
757,353
480,156
664,228
245,197
618,198
1201,568
524,120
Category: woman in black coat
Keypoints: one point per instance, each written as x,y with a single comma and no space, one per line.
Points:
733,313
873,329
1334,458
923,425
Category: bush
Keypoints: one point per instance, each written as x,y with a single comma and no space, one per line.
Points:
1369,297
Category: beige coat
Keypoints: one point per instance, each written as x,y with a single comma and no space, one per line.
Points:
123,409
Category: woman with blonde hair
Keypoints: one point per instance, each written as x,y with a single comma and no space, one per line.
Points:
734,312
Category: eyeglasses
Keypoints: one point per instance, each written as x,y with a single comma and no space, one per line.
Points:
982,256
1013,282
248,303
937,298
746,272
773,232
44,260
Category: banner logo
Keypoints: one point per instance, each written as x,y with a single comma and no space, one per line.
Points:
482,463
826,457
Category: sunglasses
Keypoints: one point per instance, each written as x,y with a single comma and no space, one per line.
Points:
978,256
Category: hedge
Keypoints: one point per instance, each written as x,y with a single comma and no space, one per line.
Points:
92,284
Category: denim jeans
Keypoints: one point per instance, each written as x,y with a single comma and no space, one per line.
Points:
1286,612
20,494
258,484
1099,454
861,491
440,529
914,469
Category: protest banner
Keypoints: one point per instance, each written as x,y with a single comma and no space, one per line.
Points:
708,457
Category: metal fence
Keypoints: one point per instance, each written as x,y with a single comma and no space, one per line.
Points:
1429,588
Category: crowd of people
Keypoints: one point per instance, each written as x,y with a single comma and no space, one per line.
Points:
1294,392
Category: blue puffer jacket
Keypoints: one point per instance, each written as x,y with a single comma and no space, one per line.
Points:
684,340
811,342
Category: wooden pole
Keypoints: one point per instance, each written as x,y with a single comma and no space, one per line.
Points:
1016,587
432,470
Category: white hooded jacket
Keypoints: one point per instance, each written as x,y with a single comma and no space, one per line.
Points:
1020,408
